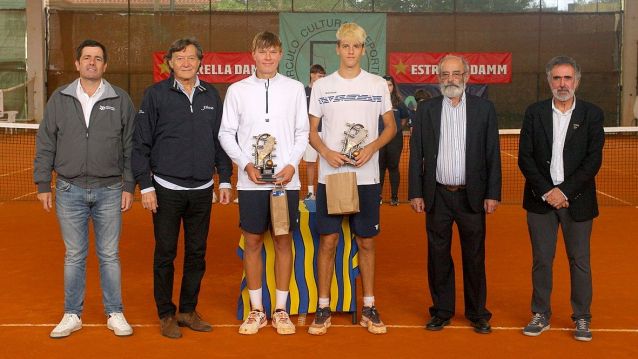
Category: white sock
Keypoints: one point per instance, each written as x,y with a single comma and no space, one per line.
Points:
324,302
368,301
281,299
311,189
255,299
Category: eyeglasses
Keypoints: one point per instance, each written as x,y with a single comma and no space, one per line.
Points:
454,75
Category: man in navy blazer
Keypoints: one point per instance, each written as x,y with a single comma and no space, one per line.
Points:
560,152
455,176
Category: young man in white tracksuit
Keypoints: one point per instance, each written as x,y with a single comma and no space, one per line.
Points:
266,103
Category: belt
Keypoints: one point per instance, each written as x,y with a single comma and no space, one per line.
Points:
451,188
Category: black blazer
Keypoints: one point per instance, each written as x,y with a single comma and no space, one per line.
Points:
582,157
482,151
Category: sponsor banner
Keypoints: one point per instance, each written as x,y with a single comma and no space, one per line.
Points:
422,67
216,67
311,39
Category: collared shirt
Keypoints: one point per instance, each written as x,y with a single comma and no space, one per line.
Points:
560,124
172,186
450,163
87,101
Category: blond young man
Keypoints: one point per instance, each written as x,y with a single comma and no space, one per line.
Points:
266,102
372,99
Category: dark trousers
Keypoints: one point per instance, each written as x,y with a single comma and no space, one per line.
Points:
193,209
448,208
389,156
543,231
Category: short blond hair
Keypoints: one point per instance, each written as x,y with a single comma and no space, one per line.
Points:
266,40
353,31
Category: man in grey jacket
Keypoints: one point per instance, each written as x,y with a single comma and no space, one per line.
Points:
86,138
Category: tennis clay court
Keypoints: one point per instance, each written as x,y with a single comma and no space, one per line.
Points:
32,253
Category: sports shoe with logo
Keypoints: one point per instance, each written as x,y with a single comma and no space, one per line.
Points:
582,332
281,322
537,325
321,323
370,319
255,321
118,324
70,323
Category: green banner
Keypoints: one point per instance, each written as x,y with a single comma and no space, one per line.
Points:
310,39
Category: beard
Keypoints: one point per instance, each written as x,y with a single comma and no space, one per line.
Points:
452,90
563,95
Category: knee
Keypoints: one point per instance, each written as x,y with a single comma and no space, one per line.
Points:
366,244
283,243
328,245
252,245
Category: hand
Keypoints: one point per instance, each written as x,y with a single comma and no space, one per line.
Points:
417,204
285,175
490,205
365,154
47,200
253,173
555,198
335,159
149,201
224,195
127,201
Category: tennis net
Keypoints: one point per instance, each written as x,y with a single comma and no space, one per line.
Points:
617,181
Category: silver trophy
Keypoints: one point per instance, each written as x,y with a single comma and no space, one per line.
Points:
355,134
263,153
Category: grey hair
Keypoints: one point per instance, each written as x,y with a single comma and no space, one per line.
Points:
180,44
562,60
466,65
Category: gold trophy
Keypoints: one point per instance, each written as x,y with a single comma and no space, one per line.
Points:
263,154
355,134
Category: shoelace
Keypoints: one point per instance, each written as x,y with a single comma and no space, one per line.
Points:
323,314
253,316
67,319
581,324
372,314
282,317
536,319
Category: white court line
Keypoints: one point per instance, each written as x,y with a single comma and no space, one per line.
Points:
15,172
24,195
420,327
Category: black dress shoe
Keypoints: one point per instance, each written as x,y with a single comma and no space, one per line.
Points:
436,323
482,326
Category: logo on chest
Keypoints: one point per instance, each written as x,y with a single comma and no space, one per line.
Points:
104,108
205,107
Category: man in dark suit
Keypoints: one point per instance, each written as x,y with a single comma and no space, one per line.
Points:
455,176
560,153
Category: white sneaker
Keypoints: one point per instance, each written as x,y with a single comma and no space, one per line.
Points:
118,324
236,200
281,322
214,197
255,321
69,323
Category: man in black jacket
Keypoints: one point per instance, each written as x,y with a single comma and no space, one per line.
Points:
455,176
560,153
175,152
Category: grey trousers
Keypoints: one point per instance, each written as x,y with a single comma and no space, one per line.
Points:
543,231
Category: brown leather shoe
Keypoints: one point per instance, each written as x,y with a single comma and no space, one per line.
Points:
194,321
169,328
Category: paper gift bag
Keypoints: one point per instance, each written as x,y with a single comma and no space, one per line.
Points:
279,211
341,193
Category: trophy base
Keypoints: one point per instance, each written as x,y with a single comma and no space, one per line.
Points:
268,179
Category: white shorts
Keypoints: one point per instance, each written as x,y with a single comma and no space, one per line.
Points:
311,154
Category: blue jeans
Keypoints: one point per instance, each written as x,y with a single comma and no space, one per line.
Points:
74,207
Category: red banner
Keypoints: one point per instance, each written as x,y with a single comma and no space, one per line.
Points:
422,67
217,67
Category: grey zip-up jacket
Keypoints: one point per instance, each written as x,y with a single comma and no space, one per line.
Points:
93,157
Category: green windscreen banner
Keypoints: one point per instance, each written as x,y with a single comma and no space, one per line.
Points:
311,39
